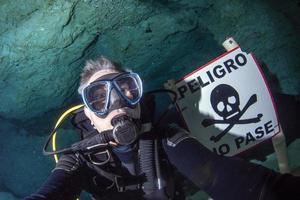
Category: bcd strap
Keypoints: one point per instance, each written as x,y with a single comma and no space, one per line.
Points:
128,183
122,183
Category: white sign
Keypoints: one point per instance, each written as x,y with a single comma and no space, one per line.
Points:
227,104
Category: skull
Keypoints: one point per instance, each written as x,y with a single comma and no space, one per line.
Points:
225,101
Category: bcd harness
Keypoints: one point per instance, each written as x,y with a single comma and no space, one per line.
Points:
94,160
150,176
149,179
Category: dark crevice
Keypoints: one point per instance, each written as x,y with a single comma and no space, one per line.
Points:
71,14
177,32
23,18
32,12
75,38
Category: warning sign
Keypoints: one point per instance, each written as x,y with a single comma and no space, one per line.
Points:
227,105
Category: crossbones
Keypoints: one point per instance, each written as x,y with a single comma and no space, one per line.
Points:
234,118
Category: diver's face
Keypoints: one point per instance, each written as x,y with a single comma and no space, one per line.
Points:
104,123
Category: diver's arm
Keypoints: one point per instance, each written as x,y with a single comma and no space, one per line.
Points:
63,182
59,185
224,177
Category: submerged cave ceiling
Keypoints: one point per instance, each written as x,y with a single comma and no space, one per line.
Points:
44,45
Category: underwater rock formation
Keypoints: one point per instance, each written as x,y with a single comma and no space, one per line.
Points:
44,44
23,168
7,196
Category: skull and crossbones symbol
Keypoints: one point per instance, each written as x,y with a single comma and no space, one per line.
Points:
226,103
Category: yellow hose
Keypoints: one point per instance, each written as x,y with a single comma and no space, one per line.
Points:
59,121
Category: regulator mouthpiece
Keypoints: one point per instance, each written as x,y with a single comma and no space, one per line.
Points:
124,133
125,130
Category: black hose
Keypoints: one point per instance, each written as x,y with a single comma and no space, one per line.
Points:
147,164
149,160
86,145
160,183
89,144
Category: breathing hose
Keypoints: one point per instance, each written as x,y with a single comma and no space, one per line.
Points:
147,164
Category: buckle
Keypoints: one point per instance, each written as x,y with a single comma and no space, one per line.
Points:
120,184
127,183
96,158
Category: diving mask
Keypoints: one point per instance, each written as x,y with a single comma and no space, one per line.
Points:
113,91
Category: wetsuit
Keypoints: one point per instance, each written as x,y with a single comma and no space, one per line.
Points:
221,177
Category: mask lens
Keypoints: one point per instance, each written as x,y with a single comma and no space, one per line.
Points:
100,97
129,86
96,96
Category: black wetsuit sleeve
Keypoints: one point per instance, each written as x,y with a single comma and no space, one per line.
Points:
59,185
224,177
63,183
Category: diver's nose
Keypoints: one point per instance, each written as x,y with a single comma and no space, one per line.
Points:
116,101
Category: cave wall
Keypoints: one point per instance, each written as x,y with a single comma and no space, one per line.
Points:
44,44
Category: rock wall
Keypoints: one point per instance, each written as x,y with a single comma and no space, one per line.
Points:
44,44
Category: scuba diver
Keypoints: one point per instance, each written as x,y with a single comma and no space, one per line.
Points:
124,155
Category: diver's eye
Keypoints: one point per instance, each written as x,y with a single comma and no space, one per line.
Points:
99,96
98,92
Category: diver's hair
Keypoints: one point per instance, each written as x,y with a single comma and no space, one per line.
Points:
93,66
